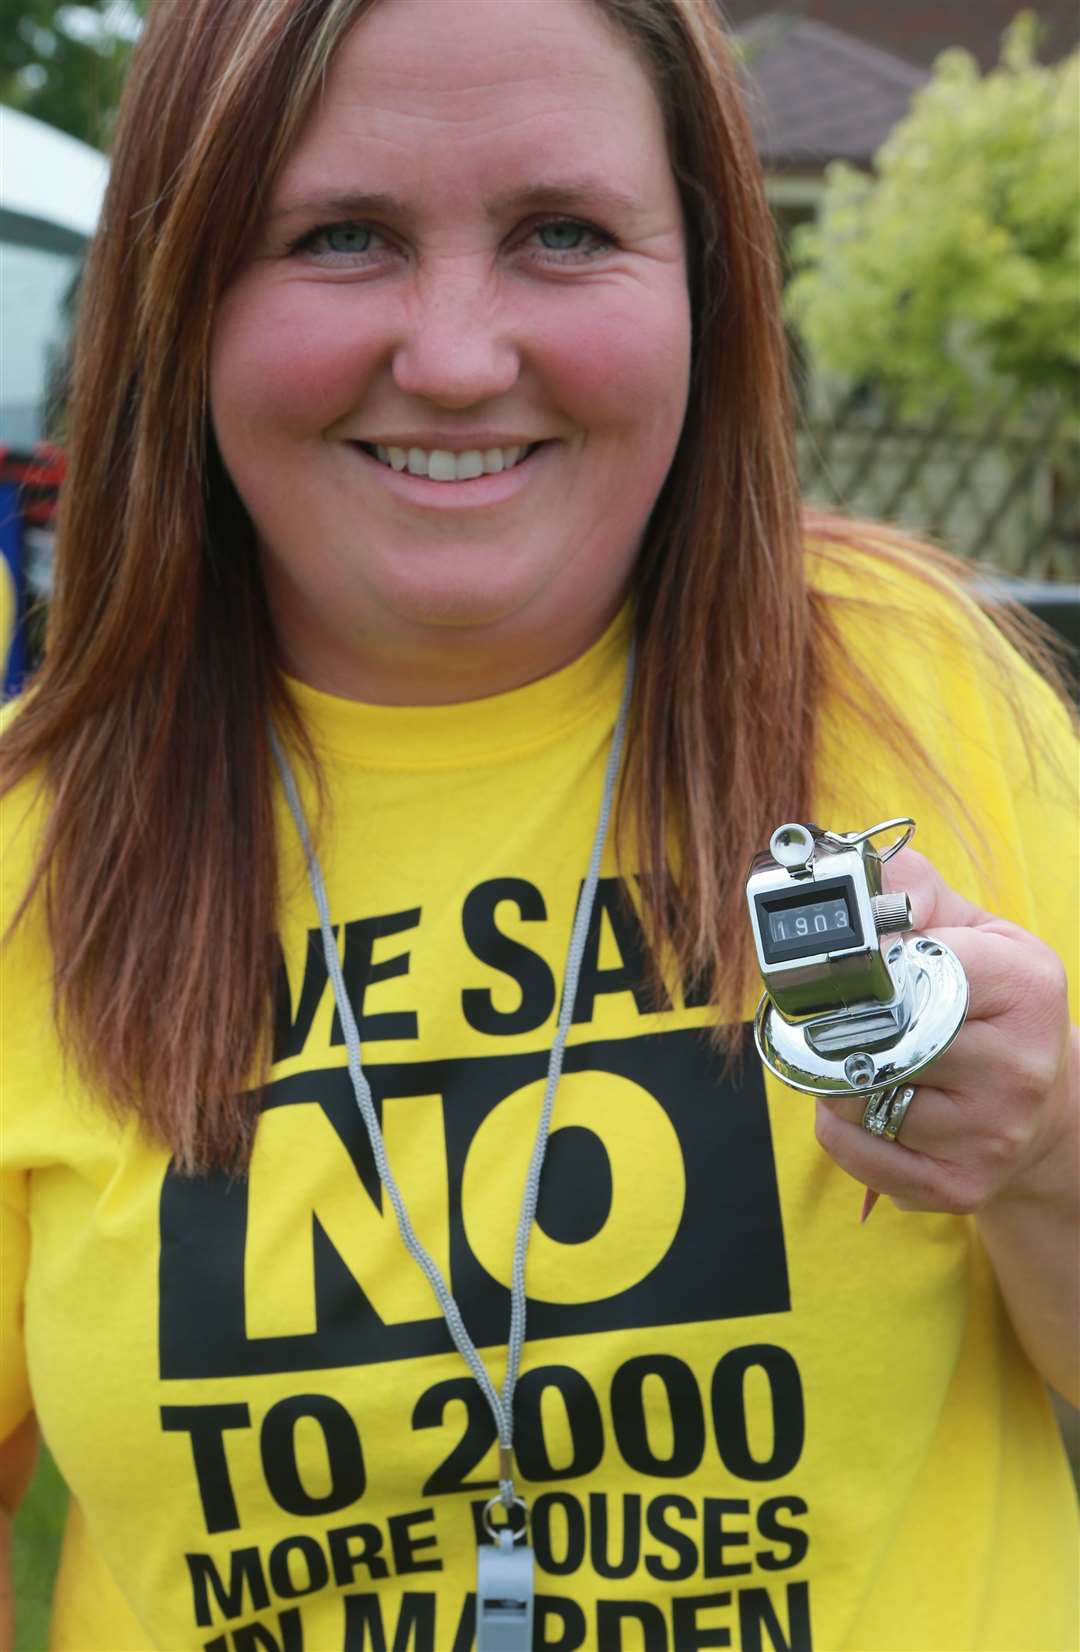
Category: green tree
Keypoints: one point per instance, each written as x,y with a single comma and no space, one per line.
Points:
64,63
954,271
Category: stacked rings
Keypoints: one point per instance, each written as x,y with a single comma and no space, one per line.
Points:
886,1110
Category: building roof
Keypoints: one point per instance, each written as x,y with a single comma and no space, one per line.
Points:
817,94
919,30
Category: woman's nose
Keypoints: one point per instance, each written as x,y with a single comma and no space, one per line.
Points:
455,348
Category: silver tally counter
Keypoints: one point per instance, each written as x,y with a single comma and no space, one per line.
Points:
851,1004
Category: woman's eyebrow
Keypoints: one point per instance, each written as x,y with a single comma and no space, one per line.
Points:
336,206
578,193
556,194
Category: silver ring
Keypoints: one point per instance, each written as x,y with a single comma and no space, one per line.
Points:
493,1530
886,1110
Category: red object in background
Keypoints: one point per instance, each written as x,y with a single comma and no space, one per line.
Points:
37,472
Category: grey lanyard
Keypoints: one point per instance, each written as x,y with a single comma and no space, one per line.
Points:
502,1405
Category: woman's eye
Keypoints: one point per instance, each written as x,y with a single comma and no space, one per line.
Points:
342,240
347,238
566,235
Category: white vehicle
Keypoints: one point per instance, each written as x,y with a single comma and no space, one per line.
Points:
51,187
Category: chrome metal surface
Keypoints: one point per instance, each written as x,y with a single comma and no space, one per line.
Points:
886,826
930,1012
891,912
792,845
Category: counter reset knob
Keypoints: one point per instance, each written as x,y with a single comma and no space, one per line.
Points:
891,912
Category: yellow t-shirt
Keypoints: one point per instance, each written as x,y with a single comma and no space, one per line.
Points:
742,1420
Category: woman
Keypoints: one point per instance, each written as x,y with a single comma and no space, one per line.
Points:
428,355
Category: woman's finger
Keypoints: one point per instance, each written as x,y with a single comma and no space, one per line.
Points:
912,1180
1009,972
933,901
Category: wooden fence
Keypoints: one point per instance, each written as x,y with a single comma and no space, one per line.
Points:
1002,488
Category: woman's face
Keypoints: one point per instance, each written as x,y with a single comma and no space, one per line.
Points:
449,379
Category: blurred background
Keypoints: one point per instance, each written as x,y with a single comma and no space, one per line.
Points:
923,164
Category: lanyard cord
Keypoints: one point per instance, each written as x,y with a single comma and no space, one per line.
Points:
502,1406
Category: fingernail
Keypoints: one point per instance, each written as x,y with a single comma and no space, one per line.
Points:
870,1199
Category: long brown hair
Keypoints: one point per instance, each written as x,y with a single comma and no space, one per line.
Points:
147,722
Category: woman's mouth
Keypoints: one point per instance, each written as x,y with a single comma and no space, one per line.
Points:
441,465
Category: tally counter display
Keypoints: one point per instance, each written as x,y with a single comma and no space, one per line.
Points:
851,1004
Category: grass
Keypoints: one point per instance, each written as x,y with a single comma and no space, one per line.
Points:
39,1526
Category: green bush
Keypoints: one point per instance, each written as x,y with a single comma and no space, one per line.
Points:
954,271
39,1527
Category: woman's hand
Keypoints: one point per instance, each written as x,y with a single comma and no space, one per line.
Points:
992,1115
994,1127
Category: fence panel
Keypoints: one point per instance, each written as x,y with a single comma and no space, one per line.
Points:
1002,487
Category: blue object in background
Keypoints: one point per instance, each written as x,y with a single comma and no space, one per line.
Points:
12,591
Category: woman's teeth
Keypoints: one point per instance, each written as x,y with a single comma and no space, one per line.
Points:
440,465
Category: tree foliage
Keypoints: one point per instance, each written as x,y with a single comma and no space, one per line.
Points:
65,63
954,271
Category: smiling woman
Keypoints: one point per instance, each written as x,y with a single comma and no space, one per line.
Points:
437,637
505,305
